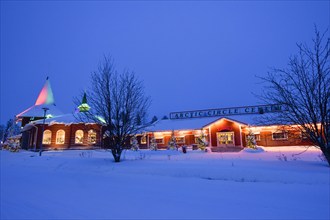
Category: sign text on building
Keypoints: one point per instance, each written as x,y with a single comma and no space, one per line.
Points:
259,109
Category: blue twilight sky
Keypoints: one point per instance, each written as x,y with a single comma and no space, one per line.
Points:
190,55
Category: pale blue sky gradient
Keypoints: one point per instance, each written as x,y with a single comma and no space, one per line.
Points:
190,55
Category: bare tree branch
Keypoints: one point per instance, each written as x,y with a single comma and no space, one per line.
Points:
118,101
303,89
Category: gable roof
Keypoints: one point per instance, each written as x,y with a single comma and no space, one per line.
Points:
225,118
186,124
67,119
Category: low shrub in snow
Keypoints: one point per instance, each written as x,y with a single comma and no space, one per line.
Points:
254,150
86,154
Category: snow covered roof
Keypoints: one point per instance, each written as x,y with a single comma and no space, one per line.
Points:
63,119
257,119
38,111
15,136
179,124
252,119
184,124
199,123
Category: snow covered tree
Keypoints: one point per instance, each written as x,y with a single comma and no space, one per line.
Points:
118,102
153,144
154,119
2,133
250,140
172,143
303,91
164,117
11,129
135,144
201,141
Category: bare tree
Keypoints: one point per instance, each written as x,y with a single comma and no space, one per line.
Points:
119,102
303,91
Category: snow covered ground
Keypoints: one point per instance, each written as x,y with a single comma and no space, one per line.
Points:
274,184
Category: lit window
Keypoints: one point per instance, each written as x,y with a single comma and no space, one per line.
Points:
179,140
144,139
159,140
60,136
91,137
79,137
280,136
47,137
257,137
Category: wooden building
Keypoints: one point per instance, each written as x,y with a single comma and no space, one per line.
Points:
44,125
61,132
224,129
224,133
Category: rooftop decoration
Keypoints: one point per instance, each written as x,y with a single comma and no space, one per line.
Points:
84,107
46,95
45,100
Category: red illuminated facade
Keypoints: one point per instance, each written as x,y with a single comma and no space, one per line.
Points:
226,133
61,136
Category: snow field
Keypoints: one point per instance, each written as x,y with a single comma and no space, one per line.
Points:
165,185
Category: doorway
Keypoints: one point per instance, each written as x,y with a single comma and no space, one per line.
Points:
225,139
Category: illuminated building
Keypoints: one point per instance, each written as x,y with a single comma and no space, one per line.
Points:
224,129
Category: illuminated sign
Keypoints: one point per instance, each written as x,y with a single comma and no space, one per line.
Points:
259,109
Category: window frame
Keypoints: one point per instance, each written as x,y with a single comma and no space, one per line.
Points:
160,138
57,137
75,137
43,138
280,139
180,137
91,131
143,139
257,137
225,135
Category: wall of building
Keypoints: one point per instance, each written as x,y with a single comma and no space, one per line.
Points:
188,135
265,133
293,136
225,126
28,137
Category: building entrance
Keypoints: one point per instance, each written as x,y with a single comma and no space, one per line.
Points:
225,139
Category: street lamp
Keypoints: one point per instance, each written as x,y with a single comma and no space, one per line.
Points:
42,131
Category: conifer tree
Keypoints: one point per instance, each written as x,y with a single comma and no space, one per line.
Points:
172,143
153,144
251,141
135,144
201,141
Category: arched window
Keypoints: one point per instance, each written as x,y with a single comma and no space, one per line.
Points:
144,139
91,137
79,137
60,136
47,137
